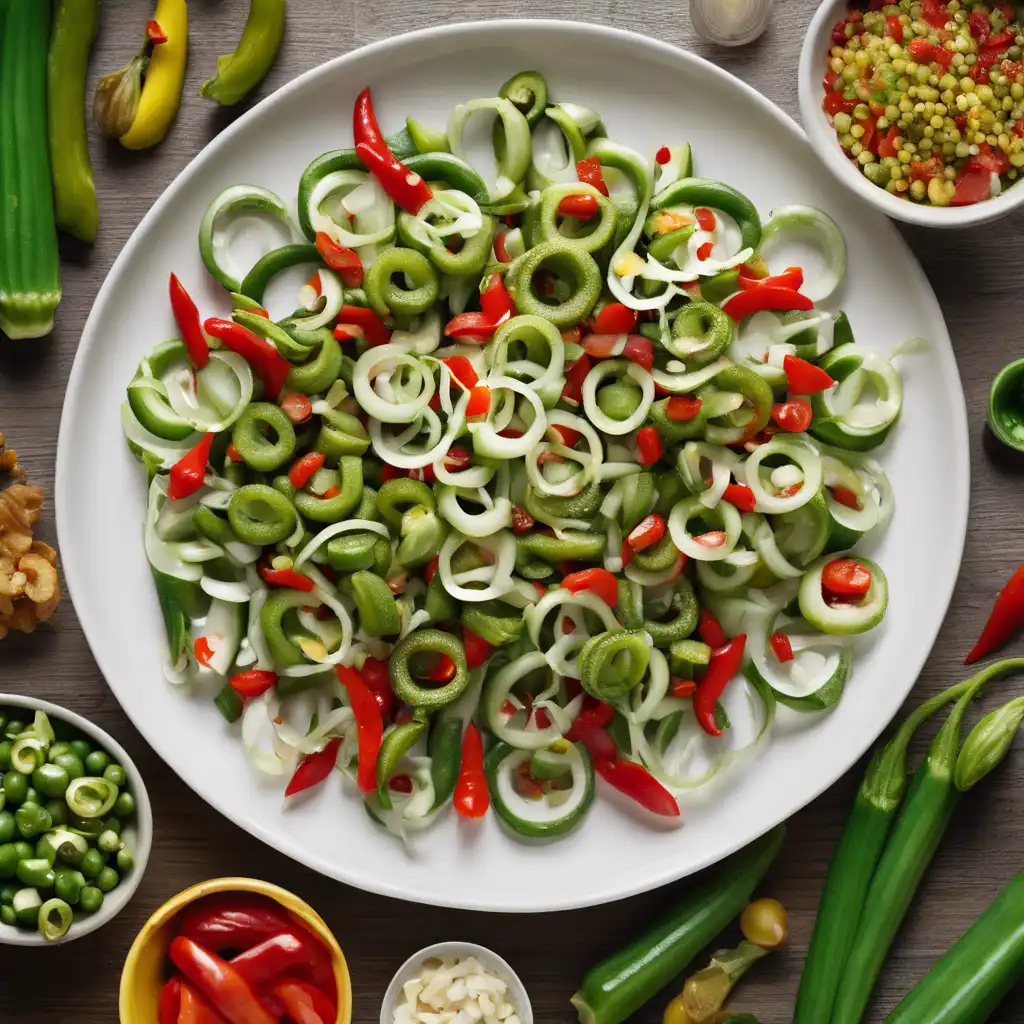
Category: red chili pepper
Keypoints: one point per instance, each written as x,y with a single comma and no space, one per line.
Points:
663,155
704,250
286,578
633,347
846,497
219,982
477,649
638,784
581,205
462,370
596,739
805,378
973,185
314,768
479,402
741,496
377,677
709,630
495,301
500,250
781,647
344,261
193,1008
252,682
794,416
271,367
711,539
235,920
431,569
369,725
233,455
846,577
768,297
683,408
305,468
170,1002
615,318
683,688
894,28
522,521
934,13
589,171
154,33
791,277
186,315
600,581
1006,618
649,446
293,952
471,796
725,663
705,218
365,319
187,473
297,407
475,327
647,532
304,1003
575,374
405,187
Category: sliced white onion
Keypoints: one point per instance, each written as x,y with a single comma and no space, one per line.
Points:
335,530
820,228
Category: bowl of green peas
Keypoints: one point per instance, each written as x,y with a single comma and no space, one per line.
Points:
76,825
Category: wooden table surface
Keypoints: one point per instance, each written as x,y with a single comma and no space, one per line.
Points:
974,274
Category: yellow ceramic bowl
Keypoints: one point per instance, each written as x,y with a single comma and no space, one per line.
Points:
145,969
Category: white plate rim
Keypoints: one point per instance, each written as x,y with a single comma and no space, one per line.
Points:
617,889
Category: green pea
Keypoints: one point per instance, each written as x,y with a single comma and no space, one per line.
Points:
112,825
114,773
89,827
59,748
15,787
5,756
6,826
93,863
58,812
125,806
28,916
109,842
8,860
72,764
96,763
68,885
125,859
45,850
7,894
107,880
32,796
51,780
24,849
90,899
8,916
13,727
36,872
82,748
32,820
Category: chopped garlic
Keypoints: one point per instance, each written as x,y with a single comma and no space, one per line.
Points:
629,264
451,990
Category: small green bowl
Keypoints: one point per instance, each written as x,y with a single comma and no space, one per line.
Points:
1006,405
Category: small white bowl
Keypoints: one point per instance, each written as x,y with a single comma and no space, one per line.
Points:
825,143
516,991
138,834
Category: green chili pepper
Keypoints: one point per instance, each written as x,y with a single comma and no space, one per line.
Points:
296,346
393,301
658,558
278,604
613,662
565,261
273,263
573,546
470,259
717,196
701,333
426,139
589,235
528,92
341,434
333,510
264,436
488,622
397,496
684,608
423,533
1006,405
427,641
180,602
240,72
353,551
321,371
987,744
375,603
395,746
547,506
445,749
756,392
229,703
450,170
439,604
260,515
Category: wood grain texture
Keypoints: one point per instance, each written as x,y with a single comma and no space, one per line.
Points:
975,274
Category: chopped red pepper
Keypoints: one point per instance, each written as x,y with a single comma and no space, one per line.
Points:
887,144
314,768
646,533
186,316
252,682
596,739
634,347
170,1002
575,374
297,407
187,473
649,446
1005,619
495,301
405,187
219,982
835,102
304,1003
154,33
267,363
663,155
768,297
704,250
428,573
603,584
725,663
522,521
500,250
365,319
344,261
805,378
741,496
581,206
193,1008
781,647
705,218
791,277
471,796
615,318
626,554
683,688
683,408
846,577
711,539
479,402
331,492
709,630
462,370
589,171
457,458
369,725
928,53
934,13
477,649
638,784
894,27
794,416
846,497
475,327
286,578
233,454
305,468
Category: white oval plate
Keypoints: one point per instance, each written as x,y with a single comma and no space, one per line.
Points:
737,136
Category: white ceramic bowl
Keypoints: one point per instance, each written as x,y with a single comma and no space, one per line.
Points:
823,138
138,834
516,990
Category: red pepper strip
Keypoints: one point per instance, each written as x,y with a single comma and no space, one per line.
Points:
805,378
973,185
638,784
267,363
252,682
581,205
603,584
744,304
374,329
186,316
649,446
479,402
297,407
927,53
475,327
683,408
846,497
894,27
331,492
794,416
154,33
369,725
704,250
314,768
345,261
290,952
846,577
304,469
233,453
522,521
683,688
219,982
431,569
634,347
596,739
725,663
589,172
615,318
405,187
194,1009
836,101
626,554
187,473
791,277
705,218
471,797
709,630
980,26
477,649
170,1002
286,578
596,714
934,13
495,300
574,376
462,370
781,647
304,1003
711,539
887,145
235,920
740,496
500,250
647,532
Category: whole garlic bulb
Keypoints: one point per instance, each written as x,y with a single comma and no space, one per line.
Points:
730,22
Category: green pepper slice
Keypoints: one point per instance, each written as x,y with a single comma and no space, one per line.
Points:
684,607
341,434
375,603
428,641
317,374
397,496
701,332
278,604
613,662
470,259
573,546
717,196
567,262
264,436
350,490
528,93
261,515
396,744
1006,405
590,235
269,266
392,301
489,624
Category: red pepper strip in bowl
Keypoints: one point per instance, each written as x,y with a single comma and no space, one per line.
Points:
186,316
767,297
575,374
216,979
580,205
709,630
615,318
186,476
297,407
638,784
479,402
405,187
365,319
233,920
266,362
805,378
252,682
589,172
345,261
649,446
369,725
314,768
462,370
495,301
724,664
634,347
194,1009
522,521
286,578
304,1003
791,277
170,1002
600,581
475,327
294,952
1006,618
471,796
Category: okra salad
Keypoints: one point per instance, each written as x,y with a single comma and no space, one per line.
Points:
554,472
